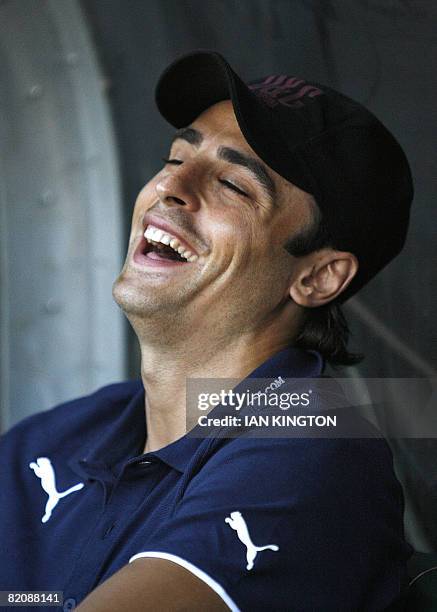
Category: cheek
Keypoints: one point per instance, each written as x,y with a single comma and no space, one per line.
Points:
233,236
271,265
145,200
147,196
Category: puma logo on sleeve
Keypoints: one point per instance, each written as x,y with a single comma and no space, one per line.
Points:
44,470
237,522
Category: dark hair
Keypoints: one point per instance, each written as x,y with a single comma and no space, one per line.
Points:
325,328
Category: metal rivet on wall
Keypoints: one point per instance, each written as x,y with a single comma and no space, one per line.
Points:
52,306
34,92
72,58
46,198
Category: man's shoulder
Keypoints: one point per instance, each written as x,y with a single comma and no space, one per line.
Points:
308,465
74,418
314,448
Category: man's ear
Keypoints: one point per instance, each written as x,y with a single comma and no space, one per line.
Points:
322,276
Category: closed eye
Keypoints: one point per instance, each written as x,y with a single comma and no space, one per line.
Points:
177,162
228,184
233,187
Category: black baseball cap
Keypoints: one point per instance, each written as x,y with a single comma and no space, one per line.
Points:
320,140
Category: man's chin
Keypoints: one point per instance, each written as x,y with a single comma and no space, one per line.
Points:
143,301
129,298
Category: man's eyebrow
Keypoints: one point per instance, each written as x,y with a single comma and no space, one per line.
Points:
233,156
258,169
189,134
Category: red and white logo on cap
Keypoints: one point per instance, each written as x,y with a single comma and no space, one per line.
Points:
286,90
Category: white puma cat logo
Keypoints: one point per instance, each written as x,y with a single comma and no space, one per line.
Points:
43,469
237,522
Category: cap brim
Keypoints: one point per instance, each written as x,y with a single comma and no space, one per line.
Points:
199,80
192,84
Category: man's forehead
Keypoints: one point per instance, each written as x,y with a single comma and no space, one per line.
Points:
220,110
219,121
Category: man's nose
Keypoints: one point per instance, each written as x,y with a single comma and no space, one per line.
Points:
180,187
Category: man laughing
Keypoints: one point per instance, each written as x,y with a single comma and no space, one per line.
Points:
278,200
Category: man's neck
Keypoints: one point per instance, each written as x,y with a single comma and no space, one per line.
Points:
164,372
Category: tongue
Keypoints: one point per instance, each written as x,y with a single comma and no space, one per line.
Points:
163,255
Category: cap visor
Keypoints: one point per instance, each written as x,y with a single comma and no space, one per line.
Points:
192,84
199,80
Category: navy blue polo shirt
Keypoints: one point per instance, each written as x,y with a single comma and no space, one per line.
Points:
278,524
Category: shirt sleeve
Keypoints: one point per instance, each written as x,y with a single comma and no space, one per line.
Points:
297,524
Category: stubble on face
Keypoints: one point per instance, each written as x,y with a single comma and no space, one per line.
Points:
243,280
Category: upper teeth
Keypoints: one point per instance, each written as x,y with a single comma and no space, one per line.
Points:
155,235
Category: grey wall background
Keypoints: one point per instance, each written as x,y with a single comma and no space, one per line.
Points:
61,238
382,53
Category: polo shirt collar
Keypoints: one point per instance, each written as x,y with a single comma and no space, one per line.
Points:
291,362
123,441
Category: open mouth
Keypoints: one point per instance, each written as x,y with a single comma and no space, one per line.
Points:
160,247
